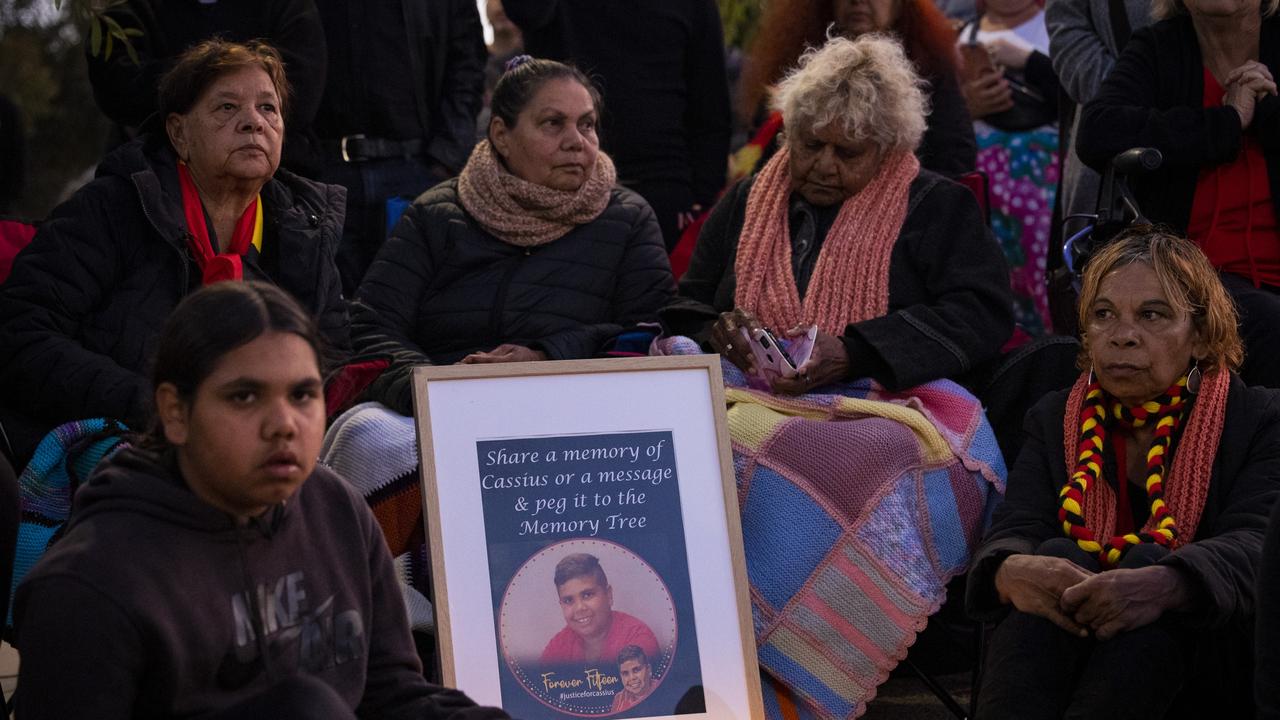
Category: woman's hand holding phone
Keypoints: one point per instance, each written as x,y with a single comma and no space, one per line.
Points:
827,363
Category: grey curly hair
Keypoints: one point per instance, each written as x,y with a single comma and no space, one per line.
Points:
866,87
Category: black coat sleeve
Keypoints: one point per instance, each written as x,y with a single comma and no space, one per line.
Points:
66,629
461,90
948,147
1223,561
707,112
1025,518
1128,112
384,316
643,285
66,272
1040,75
968,310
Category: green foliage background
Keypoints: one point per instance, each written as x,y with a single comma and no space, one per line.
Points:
42,69
739,18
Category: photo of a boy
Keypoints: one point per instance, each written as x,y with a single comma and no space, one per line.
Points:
636,675
593,630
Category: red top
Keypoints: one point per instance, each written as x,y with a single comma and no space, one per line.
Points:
1124,512
566,647
1232,217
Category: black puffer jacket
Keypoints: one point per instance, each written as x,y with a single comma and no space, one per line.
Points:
949,303
442,287
87,298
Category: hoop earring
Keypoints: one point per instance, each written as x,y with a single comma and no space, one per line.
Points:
1194,378
1089,383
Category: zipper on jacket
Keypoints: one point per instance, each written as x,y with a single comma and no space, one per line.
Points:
500,298
182,255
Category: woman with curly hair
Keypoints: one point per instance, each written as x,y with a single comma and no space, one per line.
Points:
948,146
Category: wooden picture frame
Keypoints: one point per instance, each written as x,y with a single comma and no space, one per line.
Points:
585,539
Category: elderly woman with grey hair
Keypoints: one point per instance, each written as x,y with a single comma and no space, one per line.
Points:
842,229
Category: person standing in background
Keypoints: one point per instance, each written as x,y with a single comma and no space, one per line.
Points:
406,78
1085,37
661,68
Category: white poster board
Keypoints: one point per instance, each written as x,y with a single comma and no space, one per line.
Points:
584,535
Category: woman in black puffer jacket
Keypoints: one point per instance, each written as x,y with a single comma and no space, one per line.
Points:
532,253
84,305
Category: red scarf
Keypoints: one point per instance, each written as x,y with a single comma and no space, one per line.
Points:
214,267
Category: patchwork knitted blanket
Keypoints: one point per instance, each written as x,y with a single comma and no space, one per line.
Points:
858,505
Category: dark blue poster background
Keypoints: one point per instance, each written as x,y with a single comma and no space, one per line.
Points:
615,497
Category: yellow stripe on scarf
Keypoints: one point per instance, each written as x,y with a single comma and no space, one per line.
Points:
257,226
754,416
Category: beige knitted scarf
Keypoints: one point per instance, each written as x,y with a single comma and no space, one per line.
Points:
527,214
1186,485
851,279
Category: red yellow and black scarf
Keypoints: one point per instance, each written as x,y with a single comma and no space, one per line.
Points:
1176,488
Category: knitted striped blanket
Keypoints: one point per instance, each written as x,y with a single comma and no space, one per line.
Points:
63,460
858,505
376,450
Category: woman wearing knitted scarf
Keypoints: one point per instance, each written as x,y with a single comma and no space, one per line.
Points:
532,253
1133,522
842,229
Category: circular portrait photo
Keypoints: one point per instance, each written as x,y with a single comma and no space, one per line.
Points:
587,627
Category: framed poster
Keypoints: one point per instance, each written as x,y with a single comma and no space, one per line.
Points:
585,541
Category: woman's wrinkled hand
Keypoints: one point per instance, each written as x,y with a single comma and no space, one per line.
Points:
987,94
1035,584
828,363
505,353
1245,86
727,338
1119,600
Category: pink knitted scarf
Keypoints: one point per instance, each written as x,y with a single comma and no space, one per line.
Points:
851,279
1187,485
528,214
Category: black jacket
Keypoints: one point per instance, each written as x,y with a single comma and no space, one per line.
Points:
126,91
950,307
85,303
442,287
948,146
155,604
1222,560
1154,97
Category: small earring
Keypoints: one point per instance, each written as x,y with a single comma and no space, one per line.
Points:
1193,379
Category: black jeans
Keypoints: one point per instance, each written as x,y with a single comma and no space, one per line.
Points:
1034,669
369,185
1259,329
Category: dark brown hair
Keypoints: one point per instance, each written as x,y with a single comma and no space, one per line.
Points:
525,76
214,321
202,64
580,565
